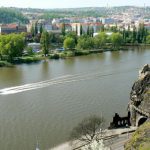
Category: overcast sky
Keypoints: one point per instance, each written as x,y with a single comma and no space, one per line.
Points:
71,3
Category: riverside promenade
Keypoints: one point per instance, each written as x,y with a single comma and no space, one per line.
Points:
114,139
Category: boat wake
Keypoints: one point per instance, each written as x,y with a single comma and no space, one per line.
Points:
42,84
55,81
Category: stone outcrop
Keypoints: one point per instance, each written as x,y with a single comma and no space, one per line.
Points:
140,111
140,96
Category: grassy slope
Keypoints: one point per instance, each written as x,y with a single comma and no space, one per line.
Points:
140,139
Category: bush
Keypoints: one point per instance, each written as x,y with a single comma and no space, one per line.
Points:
69,54
54,56
29,59
82,52
5,64
62,55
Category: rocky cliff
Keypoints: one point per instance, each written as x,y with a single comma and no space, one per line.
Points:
140,109
140,95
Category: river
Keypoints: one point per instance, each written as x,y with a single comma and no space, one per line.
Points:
47,99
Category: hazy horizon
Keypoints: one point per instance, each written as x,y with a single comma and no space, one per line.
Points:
49,4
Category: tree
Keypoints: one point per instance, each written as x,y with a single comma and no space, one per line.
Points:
91,31
87,130
85,42
88,31
76,30
100,40
12,45
30,51
102,28
63,29
116,39
69,43
141,34
73,35
36,28
134,35
81,30
45,42
124,35
41,28
32,31
148,39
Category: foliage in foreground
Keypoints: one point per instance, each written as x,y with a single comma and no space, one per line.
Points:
86,131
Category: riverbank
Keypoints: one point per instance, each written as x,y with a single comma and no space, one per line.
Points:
62,55
21,60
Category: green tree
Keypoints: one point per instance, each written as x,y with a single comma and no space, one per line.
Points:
41,28
116,40
36,28
69,43
52,37
72,35
81,30
32,31
45,41
134,35
85,42
141,34
100,40
63,29
148,39
30,51
124,35
91,31
12,45
102,28
76,30
88,31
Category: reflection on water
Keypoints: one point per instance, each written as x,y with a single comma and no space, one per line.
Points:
53,96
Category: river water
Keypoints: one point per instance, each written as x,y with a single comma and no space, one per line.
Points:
46,100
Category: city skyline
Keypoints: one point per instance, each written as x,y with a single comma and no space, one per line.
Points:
71,3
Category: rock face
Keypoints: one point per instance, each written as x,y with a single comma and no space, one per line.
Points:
140,96
140,111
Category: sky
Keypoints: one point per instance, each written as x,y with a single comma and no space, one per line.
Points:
71,3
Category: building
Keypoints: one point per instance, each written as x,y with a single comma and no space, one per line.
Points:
77,26
12,28
35,46
108,20
147,26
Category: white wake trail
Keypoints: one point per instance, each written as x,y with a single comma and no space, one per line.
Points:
42,84
54,81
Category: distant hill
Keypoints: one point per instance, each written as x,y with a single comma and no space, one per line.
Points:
90,11
10,15
16,14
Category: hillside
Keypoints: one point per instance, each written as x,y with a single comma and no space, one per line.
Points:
140,139
10,15
84,12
